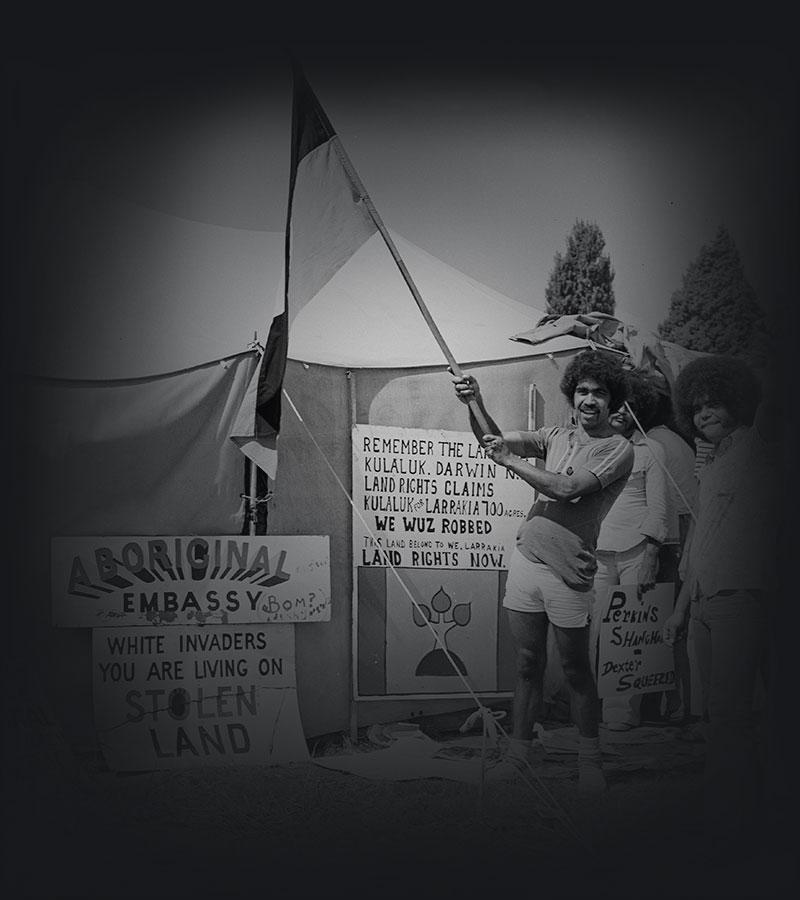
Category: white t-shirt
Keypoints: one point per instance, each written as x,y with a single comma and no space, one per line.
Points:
644,507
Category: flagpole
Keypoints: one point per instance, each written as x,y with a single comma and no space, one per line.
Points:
374,215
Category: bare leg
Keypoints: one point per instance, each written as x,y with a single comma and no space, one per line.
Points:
573,645
529,631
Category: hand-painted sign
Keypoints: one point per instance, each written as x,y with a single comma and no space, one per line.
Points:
194,580
452,637
633,658
436,519
429,499
179,697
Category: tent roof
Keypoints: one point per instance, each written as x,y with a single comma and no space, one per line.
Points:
366,316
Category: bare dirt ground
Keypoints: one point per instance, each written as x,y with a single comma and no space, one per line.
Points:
75,829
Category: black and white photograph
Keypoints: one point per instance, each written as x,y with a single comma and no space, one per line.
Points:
401,493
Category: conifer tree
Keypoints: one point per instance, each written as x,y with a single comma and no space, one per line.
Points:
716,309
582,279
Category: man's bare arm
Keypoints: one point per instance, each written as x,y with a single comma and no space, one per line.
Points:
467,390
551,484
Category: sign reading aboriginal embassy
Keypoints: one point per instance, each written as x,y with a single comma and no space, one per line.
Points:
189,580
432,499
187,696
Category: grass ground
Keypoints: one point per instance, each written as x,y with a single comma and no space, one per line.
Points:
78,830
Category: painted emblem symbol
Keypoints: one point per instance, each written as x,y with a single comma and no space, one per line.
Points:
443,616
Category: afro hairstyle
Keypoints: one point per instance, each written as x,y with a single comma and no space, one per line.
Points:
643,397
723,380
600,366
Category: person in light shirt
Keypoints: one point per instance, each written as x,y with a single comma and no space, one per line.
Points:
728,571
680,455
680,462
638,524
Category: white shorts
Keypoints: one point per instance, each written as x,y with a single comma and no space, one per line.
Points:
534,587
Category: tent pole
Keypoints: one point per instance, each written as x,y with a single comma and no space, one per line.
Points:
369,206
251,490
353,718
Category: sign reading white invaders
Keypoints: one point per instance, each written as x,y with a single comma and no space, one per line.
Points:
182,697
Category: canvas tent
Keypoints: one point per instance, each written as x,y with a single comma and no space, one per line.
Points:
359,354
365,316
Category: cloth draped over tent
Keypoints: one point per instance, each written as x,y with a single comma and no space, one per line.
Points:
595,326
141,456
644,348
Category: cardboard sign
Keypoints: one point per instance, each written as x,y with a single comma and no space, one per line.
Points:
181,697
430,499
189,580
633,658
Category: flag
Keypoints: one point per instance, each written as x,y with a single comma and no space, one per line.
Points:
327,221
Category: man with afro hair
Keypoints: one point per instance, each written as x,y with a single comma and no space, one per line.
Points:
551,572
728,571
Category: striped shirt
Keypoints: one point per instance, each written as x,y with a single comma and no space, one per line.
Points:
563,534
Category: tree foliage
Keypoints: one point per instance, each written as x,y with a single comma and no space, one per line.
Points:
716,309
582,279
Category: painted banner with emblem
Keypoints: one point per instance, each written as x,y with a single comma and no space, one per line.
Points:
436,519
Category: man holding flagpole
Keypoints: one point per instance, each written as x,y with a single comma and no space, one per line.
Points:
551,574
330,216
